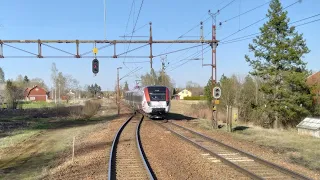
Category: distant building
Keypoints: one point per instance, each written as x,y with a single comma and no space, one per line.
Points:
309,126
184,93
314,81
36,93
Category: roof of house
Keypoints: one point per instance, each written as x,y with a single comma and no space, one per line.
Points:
313,74
28,90
310,123
184,90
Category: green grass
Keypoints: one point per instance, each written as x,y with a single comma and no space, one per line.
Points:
34,105
15,137
299,149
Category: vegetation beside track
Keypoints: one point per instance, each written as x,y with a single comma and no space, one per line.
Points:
301,150
31,142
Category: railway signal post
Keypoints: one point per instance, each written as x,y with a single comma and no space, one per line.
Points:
216,95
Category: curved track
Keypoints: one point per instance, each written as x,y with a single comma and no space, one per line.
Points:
243,162
127,159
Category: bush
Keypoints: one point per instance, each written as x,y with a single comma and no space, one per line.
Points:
91,108
200,110
195,98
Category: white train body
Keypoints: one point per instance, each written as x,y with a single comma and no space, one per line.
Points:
151,100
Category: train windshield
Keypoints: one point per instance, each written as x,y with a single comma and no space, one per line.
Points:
157,93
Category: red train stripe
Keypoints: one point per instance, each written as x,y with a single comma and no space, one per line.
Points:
146,92
167,94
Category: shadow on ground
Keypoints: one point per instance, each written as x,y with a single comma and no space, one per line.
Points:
178,117
240,128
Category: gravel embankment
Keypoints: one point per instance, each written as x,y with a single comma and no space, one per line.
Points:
172,158
91,154
262,152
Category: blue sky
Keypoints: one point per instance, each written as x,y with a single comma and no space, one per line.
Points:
74,19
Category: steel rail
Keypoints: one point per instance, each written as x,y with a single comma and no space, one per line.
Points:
141,152
262,161
239,168
112,160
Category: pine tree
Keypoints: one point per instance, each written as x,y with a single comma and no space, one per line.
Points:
208,91
278,53
2,79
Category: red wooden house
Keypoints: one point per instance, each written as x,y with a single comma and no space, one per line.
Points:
35,94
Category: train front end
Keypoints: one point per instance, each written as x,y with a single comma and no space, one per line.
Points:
156,101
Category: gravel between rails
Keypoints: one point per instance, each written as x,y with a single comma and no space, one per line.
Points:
172,158
252,148
128,160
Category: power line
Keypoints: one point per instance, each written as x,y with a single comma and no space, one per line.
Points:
187,61
244,37
135,23
178,50
245,12
256,22
305,19
218,11
308,22
187,58
127,28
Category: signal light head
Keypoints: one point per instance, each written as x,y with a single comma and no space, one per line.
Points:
95,66
216,92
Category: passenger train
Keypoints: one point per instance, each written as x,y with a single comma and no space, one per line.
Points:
154,101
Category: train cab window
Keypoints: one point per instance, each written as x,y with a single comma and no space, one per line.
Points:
157,93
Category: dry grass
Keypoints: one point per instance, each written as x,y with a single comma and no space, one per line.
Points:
302,150
28,152
299,149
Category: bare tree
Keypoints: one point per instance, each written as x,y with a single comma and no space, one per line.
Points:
14,93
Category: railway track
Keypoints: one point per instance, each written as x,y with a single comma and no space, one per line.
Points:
127,159
243,162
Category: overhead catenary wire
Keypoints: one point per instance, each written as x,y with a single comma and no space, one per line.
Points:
241,14
186,62
134,27
256,22
246,37
305,18
177,50
137,29
132,72
126,31
188,58
208,18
